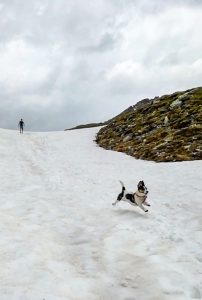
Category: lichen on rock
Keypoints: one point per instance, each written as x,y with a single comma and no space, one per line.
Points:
143,132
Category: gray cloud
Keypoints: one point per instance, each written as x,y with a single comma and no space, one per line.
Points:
64,62
107,42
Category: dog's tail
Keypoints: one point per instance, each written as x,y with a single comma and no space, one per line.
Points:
123,186
120,196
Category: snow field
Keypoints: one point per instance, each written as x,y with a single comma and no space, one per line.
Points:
60,237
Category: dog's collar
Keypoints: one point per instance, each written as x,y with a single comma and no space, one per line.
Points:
139,194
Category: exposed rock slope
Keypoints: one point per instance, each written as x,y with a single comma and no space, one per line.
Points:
167,128
129,109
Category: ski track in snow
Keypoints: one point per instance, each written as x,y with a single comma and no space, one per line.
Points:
61,239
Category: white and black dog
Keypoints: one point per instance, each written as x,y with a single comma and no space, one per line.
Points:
137,199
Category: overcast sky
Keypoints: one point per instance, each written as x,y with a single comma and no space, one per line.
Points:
69,62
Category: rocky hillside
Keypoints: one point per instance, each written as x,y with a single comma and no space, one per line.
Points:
167,128
129,109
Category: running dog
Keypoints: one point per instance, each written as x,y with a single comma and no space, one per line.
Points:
137,199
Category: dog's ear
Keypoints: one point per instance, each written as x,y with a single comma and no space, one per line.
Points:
139,184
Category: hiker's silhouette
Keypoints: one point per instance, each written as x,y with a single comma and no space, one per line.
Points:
21,124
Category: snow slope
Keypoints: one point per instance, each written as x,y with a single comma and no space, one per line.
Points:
61,239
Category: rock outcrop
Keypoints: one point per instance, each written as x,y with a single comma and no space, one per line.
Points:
163,129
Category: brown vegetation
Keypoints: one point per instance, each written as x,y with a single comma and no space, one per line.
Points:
167,128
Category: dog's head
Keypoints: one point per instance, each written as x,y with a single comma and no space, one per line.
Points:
142,187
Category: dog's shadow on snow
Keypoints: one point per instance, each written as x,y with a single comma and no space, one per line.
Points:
130,213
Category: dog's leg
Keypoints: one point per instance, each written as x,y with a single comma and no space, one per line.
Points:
142,207
120,196
139,203
145,202
114,203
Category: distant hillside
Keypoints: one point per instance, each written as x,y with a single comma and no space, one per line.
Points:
167,128
129,109
87,126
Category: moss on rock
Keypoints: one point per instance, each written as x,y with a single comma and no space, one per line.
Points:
143,133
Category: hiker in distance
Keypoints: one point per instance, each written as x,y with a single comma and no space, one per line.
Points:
21,124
